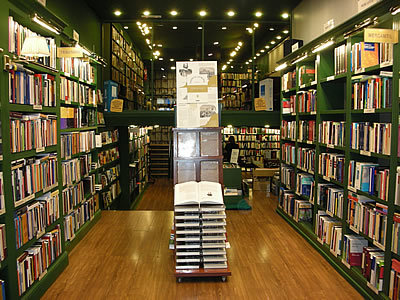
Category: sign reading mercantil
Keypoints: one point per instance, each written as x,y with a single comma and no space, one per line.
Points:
69,52
378,35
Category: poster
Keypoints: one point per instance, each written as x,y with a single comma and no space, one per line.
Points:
266,92
197,94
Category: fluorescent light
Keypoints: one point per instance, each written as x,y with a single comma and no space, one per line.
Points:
42,23
174,28
278,37
228,62
258,14
146,13
173,12
126,27
173,68
285,15
210,54
281,67
247,62
230,13
323,46
271,29
202,13
223,28
117,13
216,43
286,31
231,59
300,59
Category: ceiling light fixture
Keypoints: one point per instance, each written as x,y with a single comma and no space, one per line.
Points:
146,13
285,15
286,31
161,58
126,27
281,67
249,30
271,29
159,45
44,24
210,54
273,42
191,59
199,28
256,25
300,59
257,54
216,43
323,46
247,62
278,37
138,23
223,67
171,59
173,68
223,28
254,57
395,10
230,13
267,47
174,28
240,43
202,13
162,69
262,50
258,14
117,13
173,12
233,53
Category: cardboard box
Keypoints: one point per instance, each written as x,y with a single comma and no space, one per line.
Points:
265,172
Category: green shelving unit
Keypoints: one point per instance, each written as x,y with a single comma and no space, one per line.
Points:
334,103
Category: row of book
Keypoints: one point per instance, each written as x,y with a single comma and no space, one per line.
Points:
288,129
27,87
3,243
328,231
340,59
307,74
109,176
231,90
17,35
306,159
32,131
371,137
2,203
288,80
370,178
371,91
74,170
235,76
31,221
368,217
273,153
72,91
396,233
77,67
113,192
364,55
307,130
258,145
231,83
300,210
32,265
394,290
307,101
79,216
288,176
249,130
73,143
72,196
304,183
108,137
77,117
289,105
108,156
331,198
332,133
254,138
332,165
32,175
289,153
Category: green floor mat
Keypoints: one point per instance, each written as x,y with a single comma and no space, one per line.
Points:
236,203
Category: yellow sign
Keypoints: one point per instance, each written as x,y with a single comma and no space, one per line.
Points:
260,104
117,105
69,52
379,35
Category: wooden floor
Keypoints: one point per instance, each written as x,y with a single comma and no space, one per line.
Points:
126,256
158,196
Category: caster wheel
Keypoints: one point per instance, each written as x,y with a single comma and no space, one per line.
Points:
223,278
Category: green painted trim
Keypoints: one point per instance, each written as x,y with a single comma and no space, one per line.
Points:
81,233
38,289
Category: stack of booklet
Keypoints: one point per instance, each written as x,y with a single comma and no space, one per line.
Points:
200,221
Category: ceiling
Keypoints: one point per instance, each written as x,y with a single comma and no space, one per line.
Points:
185,42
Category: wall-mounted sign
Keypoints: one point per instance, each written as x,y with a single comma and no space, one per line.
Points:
378,35
117,105
364,4
75,35
69,52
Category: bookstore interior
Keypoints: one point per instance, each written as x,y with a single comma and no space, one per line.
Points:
189,151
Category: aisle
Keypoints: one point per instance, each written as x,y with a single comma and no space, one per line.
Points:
126,256
158,195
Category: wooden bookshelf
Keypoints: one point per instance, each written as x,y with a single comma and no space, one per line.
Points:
235,90
334,86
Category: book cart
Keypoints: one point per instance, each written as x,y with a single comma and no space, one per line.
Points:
200,243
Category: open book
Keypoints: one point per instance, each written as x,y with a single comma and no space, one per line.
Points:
192,193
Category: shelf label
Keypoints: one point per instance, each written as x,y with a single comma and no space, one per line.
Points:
362,70
313,82
326,178
330,146
55,193
313,113
366,153
351,188
330,78
293,113
309,142
369,110
302,86
381,35
37,107
386,64
41,149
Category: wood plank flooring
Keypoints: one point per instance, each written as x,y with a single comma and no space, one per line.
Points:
158,196
126,256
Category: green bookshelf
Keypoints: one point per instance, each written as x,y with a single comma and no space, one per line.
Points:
334,102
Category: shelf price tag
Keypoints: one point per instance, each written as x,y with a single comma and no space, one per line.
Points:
362,70
37,107
330,78
386,64
351,188
369,110
313,113
326,178
330,146
366,153
302,86
313,82
41,149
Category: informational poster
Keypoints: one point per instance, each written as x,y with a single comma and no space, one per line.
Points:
266,92
234,156
197,94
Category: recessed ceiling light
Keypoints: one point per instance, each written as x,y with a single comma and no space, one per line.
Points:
216,43
231,59
117,13
202,13
210,54
240,43
138,23
256,25
126,27
271,29
230,13
286,31
163,77
273,42
159,45
249,30
161,58
174,28
257,54
173,12
191,59
285,15
162,69
258,14
148,41
267,47
199,28
171,59
231,67
223,28
173,68
146,13
262,50
254,57
247,62
250,60
278,37
228,62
